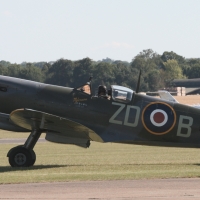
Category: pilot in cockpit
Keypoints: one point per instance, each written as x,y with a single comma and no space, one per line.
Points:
102,92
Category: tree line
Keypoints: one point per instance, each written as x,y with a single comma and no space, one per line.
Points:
157,71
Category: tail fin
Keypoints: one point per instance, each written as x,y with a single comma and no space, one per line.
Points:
165,95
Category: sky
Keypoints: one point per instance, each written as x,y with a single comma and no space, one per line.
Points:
47,30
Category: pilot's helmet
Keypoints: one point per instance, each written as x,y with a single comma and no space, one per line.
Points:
102,90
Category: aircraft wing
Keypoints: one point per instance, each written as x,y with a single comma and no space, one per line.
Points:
58,129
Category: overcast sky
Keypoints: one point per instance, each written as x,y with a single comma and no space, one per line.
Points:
47,30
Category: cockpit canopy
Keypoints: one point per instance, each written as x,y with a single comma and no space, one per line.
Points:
121,94
118,93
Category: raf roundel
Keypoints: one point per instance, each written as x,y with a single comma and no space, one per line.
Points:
158,118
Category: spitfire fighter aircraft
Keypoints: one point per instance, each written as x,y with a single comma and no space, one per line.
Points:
76,116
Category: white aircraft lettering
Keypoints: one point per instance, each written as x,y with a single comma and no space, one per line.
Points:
126,123
126,119
184,125
112,119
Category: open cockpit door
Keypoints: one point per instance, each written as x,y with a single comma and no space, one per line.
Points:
86,88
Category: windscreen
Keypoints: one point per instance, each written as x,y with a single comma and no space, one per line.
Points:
121,94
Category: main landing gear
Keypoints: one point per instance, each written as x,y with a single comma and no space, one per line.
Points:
23,155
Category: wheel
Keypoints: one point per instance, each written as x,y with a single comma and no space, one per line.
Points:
21,157
33,155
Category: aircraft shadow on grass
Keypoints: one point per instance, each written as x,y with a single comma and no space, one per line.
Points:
8,169
197,164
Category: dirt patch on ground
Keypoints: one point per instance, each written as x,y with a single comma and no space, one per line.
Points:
190,99
169,189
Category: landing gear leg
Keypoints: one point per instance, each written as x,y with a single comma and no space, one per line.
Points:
24,156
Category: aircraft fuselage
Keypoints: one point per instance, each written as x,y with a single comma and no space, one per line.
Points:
143,120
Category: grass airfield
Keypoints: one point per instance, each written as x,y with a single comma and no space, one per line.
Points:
109,161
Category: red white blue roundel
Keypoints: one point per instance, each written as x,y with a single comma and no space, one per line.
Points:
158,118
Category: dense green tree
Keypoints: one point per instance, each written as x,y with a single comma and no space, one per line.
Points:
172,71
147,61
61,73
194,71
193,61
83,69
4,63
3,70
157,71
104,73
172,56
155,80
30,72
122,74
182,62
45,68
192,68
107,60
14,70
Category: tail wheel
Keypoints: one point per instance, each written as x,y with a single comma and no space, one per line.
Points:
21,157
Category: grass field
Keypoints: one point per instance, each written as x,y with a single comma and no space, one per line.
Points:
101,162
108,161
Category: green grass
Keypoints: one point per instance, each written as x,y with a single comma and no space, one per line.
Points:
56,162
10,134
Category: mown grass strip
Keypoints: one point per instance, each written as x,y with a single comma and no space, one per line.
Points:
56,162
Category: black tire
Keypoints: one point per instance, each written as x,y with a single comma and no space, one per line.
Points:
33,157
21,157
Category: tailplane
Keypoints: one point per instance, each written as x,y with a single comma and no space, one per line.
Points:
165,95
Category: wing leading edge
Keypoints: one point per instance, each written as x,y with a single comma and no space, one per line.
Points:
58,129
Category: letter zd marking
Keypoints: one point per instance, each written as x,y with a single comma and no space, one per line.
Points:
126,123
112,119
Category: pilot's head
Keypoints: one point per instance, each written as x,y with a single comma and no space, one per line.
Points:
102,90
